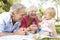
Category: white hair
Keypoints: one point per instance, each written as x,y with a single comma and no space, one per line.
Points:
31,8
14,8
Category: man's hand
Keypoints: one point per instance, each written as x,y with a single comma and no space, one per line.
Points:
18,32
21,31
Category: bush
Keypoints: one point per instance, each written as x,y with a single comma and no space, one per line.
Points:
5,4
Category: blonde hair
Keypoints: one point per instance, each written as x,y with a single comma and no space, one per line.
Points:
52,12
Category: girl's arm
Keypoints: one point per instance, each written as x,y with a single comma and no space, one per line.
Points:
54,31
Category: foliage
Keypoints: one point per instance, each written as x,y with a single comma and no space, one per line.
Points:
41,10
5,4
57,2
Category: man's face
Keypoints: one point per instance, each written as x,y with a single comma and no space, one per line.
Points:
20,14
32,13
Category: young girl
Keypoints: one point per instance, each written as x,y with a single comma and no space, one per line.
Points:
48,24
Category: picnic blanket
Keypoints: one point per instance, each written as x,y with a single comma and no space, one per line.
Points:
20,37
17,37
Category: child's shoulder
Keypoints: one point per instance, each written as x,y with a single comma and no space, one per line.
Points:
52,21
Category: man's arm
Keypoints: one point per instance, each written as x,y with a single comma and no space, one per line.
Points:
2,33
5,34
18,32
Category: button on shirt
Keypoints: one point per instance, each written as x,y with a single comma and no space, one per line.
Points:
6,24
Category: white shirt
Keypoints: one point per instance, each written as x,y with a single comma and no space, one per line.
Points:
46,24
6,24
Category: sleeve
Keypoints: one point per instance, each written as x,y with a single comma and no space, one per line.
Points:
23,24
52,22
2,25
36,21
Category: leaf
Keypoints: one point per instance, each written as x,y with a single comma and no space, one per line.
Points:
1,10
1,3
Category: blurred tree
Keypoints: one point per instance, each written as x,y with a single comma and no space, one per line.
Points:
57,2
1,5
5,4
1,10
41,10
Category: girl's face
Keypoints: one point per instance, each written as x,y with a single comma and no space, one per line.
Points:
47,14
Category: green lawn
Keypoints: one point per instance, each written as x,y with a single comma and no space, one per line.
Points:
58,28
49,39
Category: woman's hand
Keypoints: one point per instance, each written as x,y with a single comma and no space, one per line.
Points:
33,27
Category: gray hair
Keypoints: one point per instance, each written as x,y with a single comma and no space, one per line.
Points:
31,8
14,8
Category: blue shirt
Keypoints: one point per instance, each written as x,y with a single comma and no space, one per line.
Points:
6,24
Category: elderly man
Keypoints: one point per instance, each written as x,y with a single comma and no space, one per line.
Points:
10,21
30,20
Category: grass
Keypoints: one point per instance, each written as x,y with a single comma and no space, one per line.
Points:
50,39
58,28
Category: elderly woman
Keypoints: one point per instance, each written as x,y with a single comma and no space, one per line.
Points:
30,21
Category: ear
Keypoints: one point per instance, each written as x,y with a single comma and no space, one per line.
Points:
13,14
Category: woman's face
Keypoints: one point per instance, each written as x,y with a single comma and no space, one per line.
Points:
32,13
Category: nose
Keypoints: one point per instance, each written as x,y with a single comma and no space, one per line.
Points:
34,14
